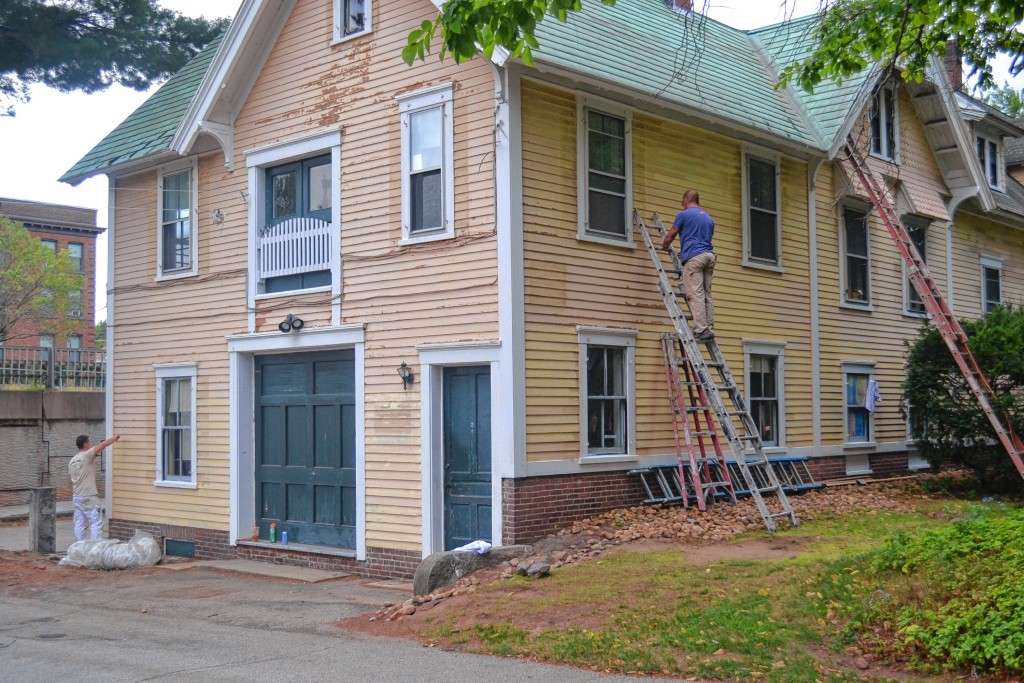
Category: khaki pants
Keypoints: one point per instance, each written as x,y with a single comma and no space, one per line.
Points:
697,272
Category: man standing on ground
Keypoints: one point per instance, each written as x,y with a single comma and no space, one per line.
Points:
695,229
83,487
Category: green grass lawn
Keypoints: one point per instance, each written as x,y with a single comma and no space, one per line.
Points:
786,620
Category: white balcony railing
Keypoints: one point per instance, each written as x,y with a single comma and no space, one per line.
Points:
297,245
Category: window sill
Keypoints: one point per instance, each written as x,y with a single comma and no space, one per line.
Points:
763,266
602,459
849,446
298,548
176,485
625,243
293,292
353,36
865,308
914,314
431,236
176,275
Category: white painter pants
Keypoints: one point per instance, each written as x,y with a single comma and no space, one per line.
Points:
87,513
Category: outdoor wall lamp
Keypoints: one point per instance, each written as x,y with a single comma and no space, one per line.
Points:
405,372
292,323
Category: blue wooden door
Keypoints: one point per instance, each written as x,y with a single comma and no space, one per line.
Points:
306,447
467,455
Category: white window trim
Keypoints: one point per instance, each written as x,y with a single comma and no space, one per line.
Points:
608,336
858,368
925,225
759,347
171,371
843,303
192,166
1000,170
259,159
993,263
894,156
408,103
583,104
338,34
776,160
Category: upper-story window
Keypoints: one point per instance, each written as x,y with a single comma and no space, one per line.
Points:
176,238
988,155
605,178
991,283
351,18
50,244
76,254
884,138
918,231
428,179
296,239
856,257
762,235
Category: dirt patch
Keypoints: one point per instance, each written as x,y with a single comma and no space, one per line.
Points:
23,572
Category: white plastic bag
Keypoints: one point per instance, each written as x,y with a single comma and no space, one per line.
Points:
479,547
108,553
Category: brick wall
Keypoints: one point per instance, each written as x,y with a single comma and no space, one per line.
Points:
536,506
882,465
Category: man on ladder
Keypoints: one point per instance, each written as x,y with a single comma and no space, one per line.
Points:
695,229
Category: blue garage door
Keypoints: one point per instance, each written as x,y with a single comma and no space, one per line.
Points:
306,447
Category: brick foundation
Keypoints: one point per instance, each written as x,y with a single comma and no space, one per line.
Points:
536,506
213,545
882,465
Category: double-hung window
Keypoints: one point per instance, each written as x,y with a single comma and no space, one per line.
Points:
76,254
351,18
764,362
50,244
918,231
856,257
176,210
428,180
762,235
607,410
296,244
605,178
176,427
75,303
991,283
74,348
882,118
988,155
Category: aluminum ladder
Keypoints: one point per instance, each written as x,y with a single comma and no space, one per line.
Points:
661,483
742,444
708,472
942,317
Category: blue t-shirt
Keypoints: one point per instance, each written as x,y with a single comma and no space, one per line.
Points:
696,228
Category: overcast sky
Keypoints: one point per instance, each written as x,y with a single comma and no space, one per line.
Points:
53,131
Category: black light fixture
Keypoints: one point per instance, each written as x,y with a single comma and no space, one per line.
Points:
405,372
292,323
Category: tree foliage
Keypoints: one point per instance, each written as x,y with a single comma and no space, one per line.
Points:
89,45
1006,99
950,427
852,34
36,285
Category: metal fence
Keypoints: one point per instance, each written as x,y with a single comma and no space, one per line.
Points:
46,368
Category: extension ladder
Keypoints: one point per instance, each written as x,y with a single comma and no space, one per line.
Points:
707,470
741,444
944,320
662,483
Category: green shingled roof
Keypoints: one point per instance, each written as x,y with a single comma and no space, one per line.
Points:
151,127
830,103
689,61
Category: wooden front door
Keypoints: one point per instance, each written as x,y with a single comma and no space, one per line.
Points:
467,455
306,447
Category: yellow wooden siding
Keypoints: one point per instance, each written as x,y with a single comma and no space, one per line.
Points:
569,282
973,237
436,292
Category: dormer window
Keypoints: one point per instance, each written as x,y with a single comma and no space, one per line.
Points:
351,18
883,122
988,155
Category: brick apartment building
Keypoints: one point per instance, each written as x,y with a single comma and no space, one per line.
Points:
63,228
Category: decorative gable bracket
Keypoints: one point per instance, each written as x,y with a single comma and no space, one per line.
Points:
225,136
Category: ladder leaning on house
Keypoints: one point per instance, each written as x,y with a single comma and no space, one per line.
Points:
757,472
942,317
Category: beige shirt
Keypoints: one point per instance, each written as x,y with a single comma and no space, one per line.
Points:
83,473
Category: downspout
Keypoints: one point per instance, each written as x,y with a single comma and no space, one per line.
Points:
108,456
812,238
